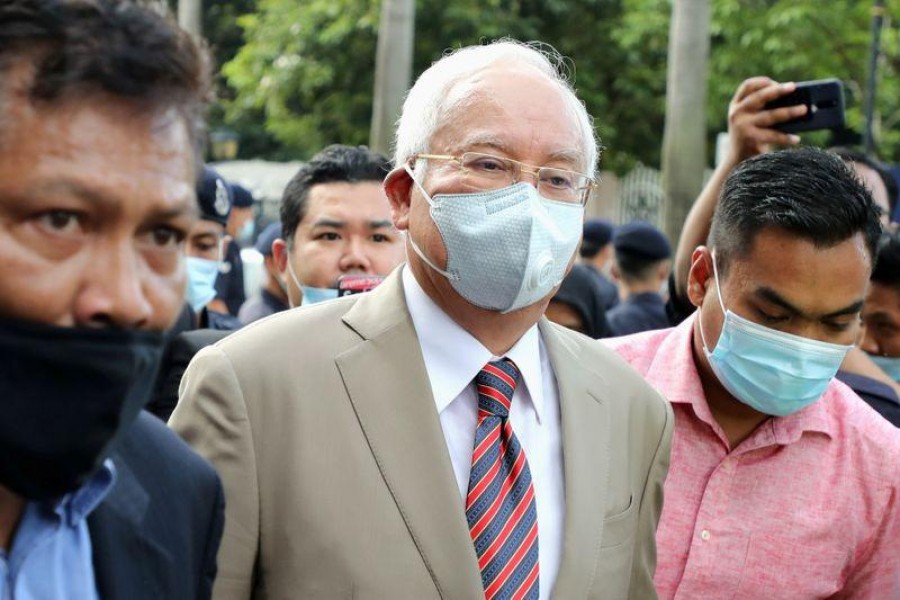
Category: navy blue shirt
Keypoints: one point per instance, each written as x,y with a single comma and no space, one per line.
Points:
260,306
608,290
637,313
230,282
879,396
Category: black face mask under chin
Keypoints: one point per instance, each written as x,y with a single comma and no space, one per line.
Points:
66,396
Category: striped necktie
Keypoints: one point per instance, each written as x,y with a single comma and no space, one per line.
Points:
500,505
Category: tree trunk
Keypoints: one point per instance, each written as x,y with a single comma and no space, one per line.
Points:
684,140
190,17
393,69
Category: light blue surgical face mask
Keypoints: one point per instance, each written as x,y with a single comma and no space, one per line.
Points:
314,295
311,295
245,235
889,364
201,281
506,248
771,371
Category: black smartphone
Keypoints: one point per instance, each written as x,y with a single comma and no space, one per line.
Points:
824,100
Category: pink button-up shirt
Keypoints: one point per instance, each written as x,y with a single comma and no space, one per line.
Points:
807,507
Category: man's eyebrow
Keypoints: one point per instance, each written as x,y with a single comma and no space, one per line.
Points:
851,309
491,141
770,295
488,140
185,206
879,316
570,156
774,297
380,224
330,223
73,188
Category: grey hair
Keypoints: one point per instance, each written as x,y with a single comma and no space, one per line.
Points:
429,100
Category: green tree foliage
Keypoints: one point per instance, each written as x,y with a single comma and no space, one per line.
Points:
306,69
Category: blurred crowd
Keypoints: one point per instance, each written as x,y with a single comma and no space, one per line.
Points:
449,383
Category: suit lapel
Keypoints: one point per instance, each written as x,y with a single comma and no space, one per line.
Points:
127,562
585,428
388,385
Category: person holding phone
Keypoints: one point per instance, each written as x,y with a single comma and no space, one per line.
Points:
783,483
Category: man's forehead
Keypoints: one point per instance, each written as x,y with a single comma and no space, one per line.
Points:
356,199
798,271
488,111
103,151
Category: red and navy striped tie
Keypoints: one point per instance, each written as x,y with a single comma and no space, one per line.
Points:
500,505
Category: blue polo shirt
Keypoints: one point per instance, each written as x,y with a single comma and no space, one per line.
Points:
51,551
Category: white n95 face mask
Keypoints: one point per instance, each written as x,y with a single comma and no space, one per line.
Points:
506,248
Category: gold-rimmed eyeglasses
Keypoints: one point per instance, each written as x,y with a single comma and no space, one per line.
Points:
488,172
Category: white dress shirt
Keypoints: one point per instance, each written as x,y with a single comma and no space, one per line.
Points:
452,359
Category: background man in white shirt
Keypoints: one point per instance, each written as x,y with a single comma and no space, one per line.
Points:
437,437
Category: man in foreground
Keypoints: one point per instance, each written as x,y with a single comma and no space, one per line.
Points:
783,483
97,165
436,437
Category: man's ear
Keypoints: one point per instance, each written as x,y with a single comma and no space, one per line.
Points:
279,255
614,271
700,276
398,187
662,271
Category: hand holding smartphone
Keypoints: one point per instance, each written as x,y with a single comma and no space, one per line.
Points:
824,100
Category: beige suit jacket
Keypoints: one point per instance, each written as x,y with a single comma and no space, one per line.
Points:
338,482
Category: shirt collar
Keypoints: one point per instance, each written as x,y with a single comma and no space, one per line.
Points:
646,298
453,357
76,506
674,365
272,301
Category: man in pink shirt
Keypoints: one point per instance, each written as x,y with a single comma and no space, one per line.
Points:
783,483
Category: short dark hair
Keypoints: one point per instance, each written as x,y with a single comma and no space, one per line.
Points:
887,266
125,48
589,249
807,192
336,163
858,156
634,267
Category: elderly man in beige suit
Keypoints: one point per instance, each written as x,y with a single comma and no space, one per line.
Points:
437,438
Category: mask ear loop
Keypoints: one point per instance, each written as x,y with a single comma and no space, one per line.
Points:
293,275
412,242
719,297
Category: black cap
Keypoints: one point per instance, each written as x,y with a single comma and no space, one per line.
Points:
243,198
598,232
214,196
642,239
268,236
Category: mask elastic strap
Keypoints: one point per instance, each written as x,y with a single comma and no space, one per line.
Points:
425,194
412,242
294,277
719,296
415,247
718,288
